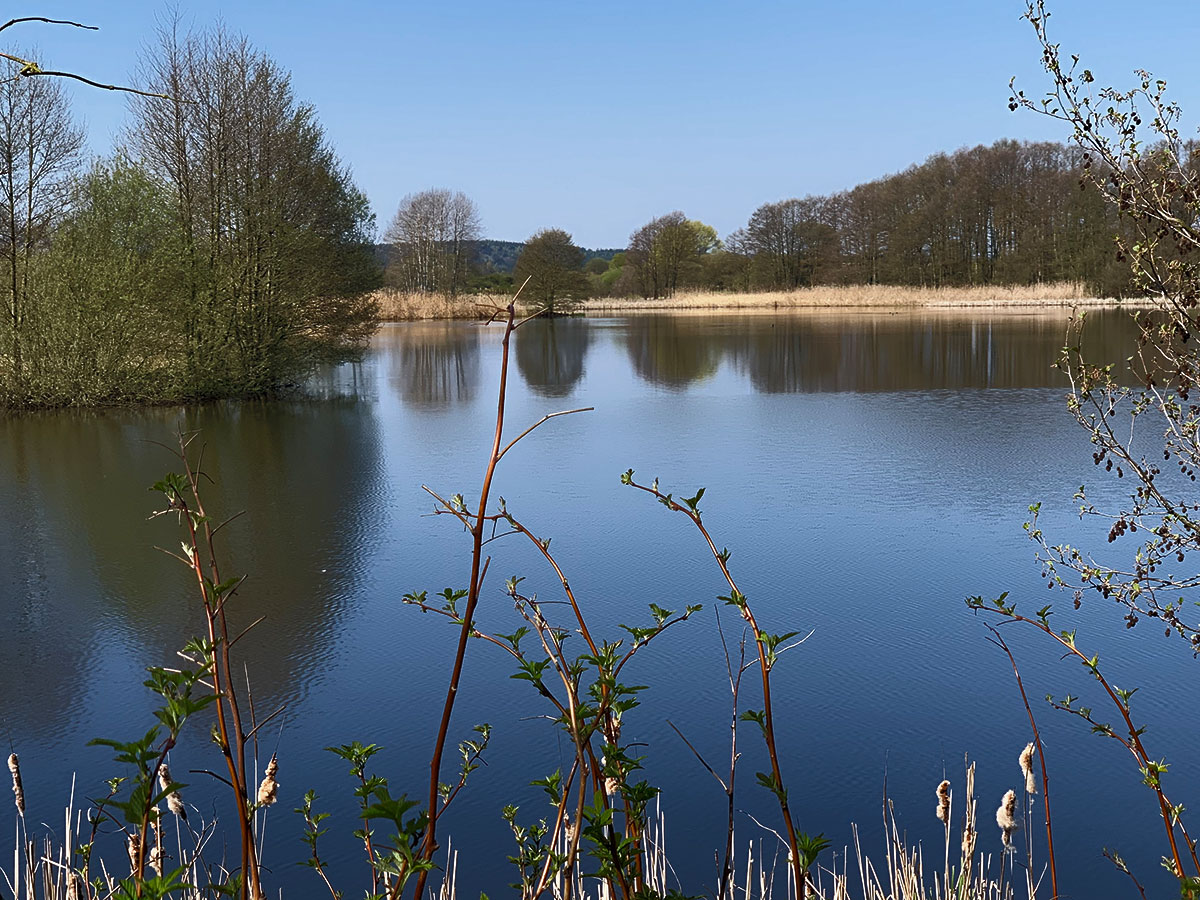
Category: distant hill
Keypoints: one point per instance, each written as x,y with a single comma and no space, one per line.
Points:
498,256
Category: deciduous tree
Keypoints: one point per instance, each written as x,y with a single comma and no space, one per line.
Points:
665,252
552,263
790,240
39,149
276,236
433,235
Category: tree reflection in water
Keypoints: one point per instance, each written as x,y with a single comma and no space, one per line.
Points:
673,351
434,364
550,354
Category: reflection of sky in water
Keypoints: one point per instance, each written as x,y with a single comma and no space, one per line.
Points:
862,512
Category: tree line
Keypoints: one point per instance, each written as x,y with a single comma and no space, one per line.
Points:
1010,213
223,250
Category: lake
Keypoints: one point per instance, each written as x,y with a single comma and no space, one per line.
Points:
867,471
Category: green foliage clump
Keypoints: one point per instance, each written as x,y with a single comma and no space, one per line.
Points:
226,253
553,264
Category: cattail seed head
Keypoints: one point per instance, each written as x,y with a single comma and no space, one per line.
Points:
269,787
1006,817
943,805
1026,761
133,846
174,801
155,859
156,855
14,766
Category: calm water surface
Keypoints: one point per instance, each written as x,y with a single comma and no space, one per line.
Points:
868,473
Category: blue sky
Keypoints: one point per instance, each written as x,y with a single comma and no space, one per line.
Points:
597,117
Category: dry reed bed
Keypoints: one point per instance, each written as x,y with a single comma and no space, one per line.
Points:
970,865
862,296
398,306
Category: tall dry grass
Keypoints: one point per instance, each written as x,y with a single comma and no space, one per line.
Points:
973,864
401,306
1065,293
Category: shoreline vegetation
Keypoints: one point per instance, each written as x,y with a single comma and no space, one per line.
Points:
400,306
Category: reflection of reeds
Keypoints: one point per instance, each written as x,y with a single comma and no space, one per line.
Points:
1065,293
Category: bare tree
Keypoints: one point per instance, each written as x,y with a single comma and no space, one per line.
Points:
39,150
433,235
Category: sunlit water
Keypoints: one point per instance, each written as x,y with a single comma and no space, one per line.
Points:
868,473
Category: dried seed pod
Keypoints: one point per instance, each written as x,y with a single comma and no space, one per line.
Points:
943,807
156,855
1006,817
1026,761
133,846
269,787
14,766
174,801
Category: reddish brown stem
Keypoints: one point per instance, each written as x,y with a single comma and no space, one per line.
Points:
1037,739
229,720
429,845
798,870
1134,744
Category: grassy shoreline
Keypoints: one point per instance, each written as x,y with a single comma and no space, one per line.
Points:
396,306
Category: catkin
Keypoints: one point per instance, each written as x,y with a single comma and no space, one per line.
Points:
1006,817
269,787
14,766
1026,761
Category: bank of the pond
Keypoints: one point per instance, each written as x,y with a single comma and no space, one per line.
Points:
396,306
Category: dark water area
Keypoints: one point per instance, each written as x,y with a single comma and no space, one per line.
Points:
868,472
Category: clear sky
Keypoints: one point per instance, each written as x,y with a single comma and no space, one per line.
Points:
596,117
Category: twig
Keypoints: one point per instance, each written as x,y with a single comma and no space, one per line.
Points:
542,421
